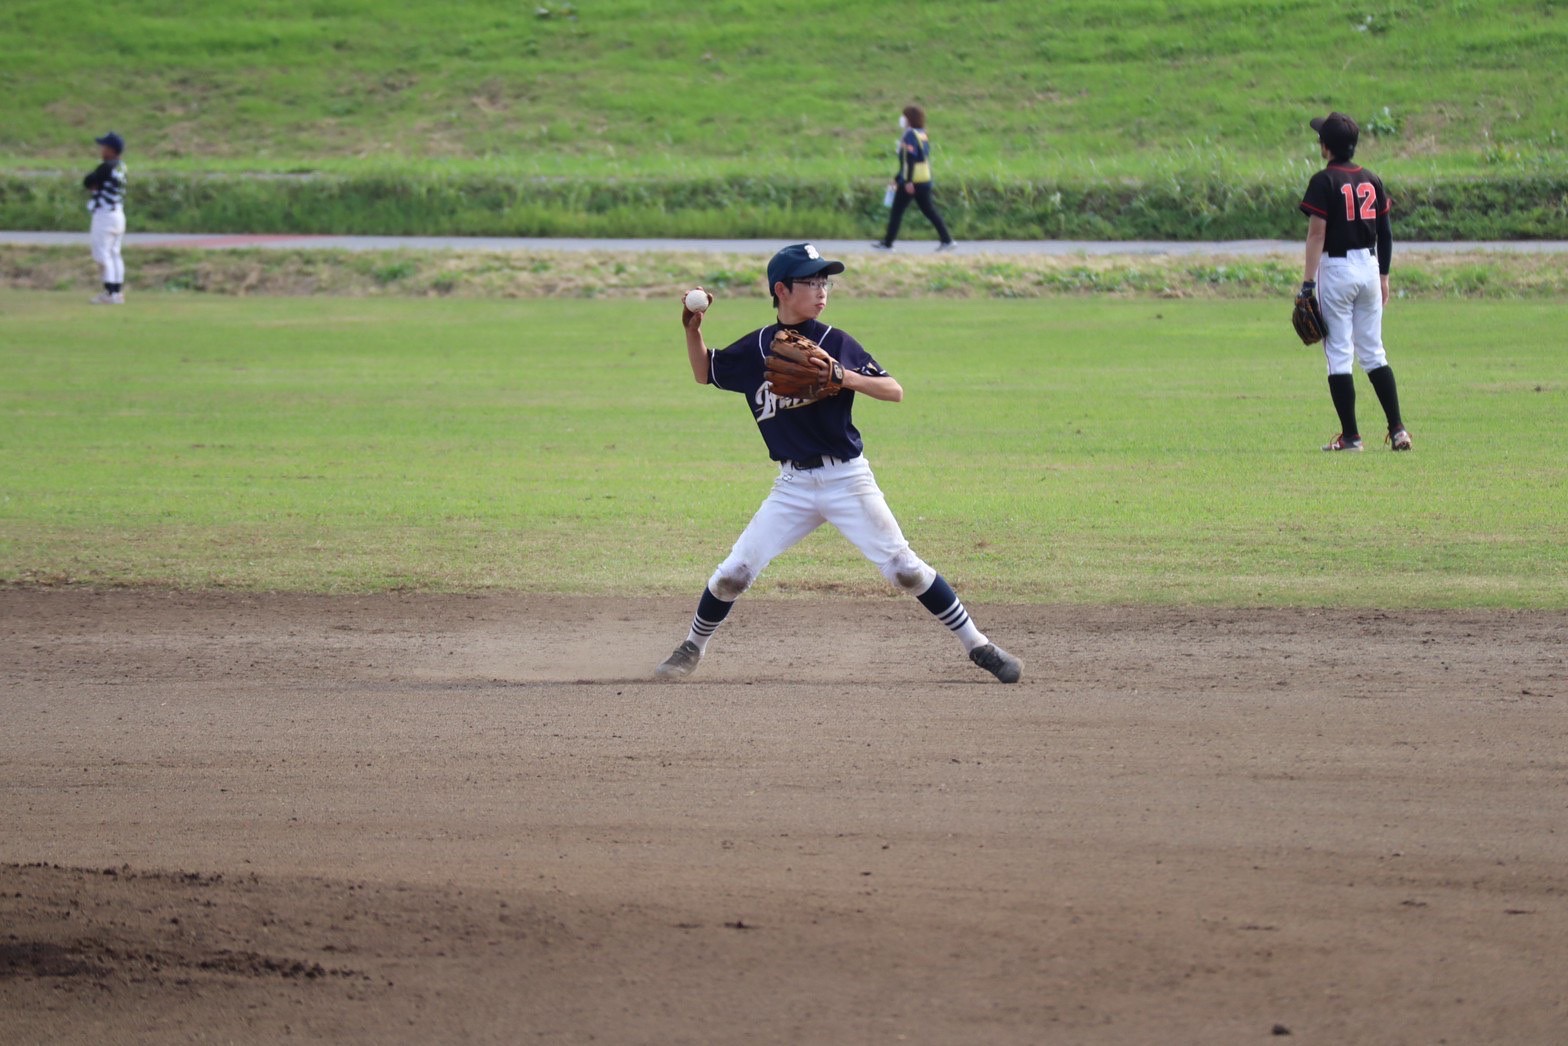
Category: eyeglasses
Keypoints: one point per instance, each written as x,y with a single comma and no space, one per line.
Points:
816,285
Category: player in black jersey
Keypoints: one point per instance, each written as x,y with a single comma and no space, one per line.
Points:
1350,242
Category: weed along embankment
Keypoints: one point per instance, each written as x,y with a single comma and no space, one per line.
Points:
1183,206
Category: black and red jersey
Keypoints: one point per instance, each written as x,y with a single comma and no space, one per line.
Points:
1351,200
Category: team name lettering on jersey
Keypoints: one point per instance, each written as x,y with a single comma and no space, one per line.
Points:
769,405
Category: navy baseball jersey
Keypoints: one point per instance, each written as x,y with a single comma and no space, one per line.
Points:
1350,199
107,182
795,429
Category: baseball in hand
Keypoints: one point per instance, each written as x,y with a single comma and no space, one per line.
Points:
698,300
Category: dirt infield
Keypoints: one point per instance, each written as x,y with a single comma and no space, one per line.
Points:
437,818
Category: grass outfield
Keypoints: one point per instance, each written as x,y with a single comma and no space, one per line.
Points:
1078,450
1094,88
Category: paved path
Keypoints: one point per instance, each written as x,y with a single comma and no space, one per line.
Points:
752,247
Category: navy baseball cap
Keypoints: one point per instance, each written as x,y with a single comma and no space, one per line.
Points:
113,141
1337,131
800,260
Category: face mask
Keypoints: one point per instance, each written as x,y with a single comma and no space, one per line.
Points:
903,123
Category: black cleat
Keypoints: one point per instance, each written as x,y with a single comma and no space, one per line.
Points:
998,662
680,664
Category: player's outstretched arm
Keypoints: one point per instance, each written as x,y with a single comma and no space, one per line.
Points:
885,388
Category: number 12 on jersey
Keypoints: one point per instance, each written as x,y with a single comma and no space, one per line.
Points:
1368,193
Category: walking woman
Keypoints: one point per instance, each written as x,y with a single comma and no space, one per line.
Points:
913,181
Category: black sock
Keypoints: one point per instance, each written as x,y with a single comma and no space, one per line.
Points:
108,288
1342,387
1387,394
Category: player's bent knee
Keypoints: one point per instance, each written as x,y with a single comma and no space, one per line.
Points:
908,573
730,580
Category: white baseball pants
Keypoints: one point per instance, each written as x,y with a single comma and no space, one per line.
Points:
843,493
107,232
1351,297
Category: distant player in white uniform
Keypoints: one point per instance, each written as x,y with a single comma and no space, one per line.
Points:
1350,243
106,183
823,476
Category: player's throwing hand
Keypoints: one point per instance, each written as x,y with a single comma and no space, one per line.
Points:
694,303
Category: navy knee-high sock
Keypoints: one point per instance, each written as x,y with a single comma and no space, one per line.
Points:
711,612
943,602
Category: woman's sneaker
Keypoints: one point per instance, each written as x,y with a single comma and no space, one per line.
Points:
1399,439
1339,442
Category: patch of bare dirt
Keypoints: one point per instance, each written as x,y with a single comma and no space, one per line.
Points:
410,818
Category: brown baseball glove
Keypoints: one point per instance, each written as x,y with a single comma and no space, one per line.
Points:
1307,318
799,368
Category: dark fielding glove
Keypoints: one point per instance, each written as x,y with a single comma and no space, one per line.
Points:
799,368
1306,317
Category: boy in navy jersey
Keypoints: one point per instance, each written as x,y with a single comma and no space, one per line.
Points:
823,477
106,203
1350,243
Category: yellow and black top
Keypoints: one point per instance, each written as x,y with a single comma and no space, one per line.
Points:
914,157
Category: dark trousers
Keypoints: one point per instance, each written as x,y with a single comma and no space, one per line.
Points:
922,197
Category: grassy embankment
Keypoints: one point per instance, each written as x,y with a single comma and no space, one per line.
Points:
1098,118
1067,450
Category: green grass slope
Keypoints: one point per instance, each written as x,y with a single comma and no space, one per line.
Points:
1067,450
1076,89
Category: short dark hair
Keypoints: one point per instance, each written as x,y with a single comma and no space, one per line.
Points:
916,116
1338,133
789,282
